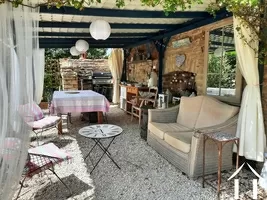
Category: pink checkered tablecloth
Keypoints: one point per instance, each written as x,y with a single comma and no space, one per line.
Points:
78,101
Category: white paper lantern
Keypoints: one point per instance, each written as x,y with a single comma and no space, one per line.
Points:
82,46
100,30
74,51
219,52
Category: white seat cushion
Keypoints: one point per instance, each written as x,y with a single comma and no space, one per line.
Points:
159,129
45,122
179,140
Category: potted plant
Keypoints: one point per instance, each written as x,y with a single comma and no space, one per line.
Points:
47,91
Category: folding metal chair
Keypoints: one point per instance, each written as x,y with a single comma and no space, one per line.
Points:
42,158
37,120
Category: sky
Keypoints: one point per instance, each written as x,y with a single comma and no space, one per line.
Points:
108,51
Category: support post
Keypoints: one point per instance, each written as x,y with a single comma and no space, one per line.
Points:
161,47
126,53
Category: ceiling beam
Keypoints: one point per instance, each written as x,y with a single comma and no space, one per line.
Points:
224,44
113,25
184,28
90,41
102,12
219,33
49,45
65,34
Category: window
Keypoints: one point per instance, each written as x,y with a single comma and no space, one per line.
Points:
223,76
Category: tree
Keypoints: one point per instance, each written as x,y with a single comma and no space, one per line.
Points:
221,70
92,53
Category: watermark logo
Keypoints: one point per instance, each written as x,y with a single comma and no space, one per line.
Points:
254,182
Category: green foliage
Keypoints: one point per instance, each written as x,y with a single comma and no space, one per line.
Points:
221,71
92,53
253,14
52,75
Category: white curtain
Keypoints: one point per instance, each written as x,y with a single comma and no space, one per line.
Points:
250,128
39,63
115,62
18,27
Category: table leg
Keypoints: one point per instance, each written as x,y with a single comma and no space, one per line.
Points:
100,117
203,172
59,126
105,152
219,167
101,146
90,151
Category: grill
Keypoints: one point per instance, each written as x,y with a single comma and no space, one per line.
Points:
102,78
103,84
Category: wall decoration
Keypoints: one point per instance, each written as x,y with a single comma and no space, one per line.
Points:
179,81
180,60
180,43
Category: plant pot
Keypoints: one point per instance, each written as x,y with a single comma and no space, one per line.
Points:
43,105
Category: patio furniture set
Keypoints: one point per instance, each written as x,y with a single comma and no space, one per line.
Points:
45,157
194,136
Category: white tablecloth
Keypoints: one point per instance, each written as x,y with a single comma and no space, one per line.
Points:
81,101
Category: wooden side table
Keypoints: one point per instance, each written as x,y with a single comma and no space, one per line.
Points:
220,139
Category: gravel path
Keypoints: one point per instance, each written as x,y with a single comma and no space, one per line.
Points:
144,174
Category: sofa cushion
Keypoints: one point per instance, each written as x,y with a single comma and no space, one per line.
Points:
214,112
159,129
179,140
189,110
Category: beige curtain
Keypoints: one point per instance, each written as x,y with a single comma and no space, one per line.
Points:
115,62
250,127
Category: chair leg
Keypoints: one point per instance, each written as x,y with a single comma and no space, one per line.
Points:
132,114
61,180
140,116
21,186
37,140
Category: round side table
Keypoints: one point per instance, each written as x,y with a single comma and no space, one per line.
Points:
98,132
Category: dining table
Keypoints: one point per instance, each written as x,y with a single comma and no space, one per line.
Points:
79,101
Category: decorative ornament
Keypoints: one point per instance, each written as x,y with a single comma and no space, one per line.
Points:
82,46
74,51
219,52
180,60
100,29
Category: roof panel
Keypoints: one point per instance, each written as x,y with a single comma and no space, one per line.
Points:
86,30
80,18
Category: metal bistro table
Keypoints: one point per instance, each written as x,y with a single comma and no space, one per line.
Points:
98,132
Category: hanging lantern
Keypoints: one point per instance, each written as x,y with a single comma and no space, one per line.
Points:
100,30
74,51
219,52
82,46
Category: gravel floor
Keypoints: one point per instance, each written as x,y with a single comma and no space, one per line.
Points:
144,174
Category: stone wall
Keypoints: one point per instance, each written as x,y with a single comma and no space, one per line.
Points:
195,59
73,70
140,63
194,56
195,53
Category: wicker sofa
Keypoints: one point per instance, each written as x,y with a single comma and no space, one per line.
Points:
176,133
